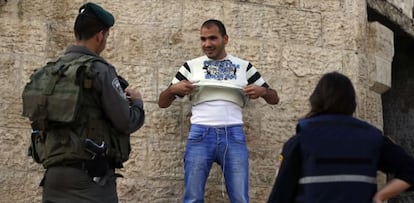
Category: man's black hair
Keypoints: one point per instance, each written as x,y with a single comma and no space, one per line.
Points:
219,24
87,25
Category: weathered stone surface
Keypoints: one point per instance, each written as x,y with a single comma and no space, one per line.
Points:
163,14
150,190
399,21
382,75
405,6
291,42
273,23
381,45
380,40
287,3
323,5
304,61
339,31
263,171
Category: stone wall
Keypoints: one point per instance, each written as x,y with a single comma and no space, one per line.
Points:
291,42
405,6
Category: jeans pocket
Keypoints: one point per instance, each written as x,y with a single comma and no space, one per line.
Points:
197,134
238,136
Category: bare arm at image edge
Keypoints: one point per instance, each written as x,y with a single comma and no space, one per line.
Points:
391,189
402,168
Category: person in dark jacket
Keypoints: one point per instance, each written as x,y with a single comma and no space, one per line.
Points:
334,157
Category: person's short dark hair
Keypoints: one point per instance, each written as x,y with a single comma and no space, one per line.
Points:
92,19
334,94
219,24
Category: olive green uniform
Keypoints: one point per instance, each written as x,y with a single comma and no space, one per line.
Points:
69,182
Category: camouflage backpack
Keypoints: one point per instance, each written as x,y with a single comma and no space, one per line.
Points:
61,106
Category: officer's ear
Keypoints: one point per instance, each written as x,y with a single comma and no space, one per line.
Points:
99,36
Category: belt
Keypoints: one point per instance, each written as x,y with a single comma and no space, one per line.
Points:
72,164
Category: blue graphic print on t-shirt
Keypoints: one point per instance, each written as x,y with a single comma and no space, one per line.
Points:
220,70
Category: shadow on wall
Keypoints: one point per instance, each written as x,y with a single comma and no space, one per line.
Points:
3,2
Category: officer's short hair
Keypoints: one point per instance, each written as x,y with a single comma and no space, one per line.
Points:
92,19
334,94
219,24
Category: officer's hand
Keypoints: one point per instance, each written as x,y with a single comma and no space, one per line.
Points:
133,93
254,91
182,88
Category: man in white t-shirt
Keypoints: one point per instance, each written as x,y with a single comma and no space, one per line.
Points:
218,86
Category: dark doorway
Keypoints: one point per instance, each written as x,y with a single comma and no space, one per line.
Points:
398,102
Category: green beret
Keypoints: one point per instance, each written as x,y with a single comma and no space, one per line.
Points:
104,16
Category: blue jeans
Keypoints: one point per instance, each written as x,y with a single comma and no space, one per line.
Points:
223,145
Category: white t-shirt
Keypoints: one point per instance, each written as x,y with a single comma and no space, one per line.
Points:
217,113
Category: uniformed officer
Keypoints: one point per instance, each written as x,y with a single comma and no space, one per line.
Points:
334,157
116,112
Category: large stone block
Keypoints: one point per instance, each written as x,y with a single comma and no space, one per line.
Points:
273,24
136,166
9,74
286,3
48,9
380,40
15,143
141,77
381,76
308,60
18,186
165,14
250,50
340,31
165,159
265,157
165,124
196,12
263,165
143,189
323,5
11,116
23,42
381,47
405,6
269,63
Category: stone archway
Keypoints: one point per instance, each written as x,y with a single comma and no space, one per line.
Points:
398,101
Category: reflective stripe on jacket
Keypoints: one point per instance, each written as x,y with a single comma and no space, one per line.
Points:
340,157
